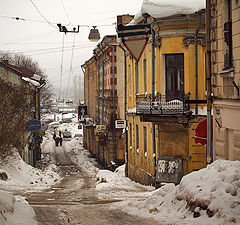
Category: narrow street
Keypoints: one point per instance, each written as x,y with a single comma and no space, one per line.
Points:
75,200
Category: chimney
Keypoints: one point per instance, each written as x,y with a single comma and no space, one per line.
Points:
124,19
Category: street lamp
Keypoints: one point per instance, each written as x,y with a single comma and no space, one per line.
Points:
94,34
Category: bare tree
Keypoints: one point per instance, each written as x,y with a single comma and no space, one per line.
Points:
15,111
21,60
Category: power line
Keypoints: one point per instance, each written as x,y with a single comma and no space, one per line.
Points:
44,43
70,70
41,21
31,37
42,14
66,12
61,69
54,48
37,54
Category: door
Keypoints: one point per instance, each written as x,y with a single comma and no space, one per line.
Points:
174,76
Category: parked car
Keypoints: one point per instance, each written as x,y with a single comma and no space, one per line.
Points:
65,121
77,135
67,135
54,125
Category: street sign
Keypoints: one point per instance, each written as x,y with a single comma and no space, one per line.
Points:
33,125
120,123
100,129
133,30
82,111
136,46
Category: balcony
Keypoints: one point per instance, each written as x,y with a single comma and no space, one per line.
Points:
146,105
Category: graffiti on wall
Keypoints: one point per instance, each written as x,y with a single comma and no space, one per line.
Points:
169,170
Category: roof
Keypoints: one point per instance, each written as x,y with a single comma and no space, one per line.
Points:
20,71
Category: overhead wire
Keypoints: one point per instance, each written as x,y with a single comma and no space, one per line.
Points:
70,69
45,52
52,24
30,37
66,12
42,15
61,69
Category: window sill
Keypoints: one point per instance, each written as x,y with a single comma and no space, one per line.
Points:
227,72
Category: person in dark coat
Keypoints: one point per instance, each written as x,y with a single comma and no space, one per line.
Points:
60,138
57,140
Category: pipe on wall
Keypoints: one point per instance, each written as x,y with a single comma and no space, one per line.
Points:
125,110
153,98
196,60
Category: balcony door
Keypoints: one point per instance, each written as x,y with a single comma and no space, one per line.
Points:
174,76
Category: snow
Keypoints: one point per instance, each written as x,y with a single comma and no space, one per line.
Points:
166,8
22,176
210,196
15,210
33,82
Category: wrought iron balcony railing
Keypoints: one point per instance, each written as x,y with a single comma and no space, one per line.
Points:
159,105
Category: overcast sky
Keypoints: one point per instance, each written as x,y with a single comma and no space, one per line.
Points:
41,40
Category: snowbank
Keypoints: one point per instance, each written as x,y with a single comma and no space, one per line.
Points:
15,210
115,185
208,196
22,176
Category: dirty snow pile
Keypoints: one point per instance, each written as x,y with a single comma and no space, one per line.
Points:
116,185
208,196
21,176
15,210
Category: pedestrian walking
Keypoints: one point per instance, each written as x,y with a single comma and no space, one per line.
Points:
60,138
57,140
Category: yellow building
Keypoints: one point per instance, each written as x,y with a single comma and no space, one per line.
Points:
104,98
161,122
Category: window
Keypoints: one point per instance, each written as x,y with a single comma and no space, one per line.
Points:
136,77
137,139
145,140
130,135
145,75
174,76
129,80
227,35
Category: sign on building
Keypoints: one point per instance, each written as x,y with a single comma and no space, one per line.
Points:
33,125
82,111
120,124
100,129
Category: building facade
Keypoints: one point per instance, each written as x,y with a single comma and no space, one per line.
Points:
30,149
225,59
104,98
161,119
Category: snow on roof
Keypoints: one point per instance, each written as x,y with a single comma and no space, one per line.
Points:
165,8
33,82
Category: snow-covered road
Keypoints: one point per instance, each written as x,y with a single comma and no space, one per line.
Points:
72,189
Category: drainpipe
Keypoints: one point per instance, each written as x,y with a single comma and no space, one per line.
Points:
102,96
88,111
114,104
208,80
98,92
102,84
153,99
113,94
125,110
196,61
